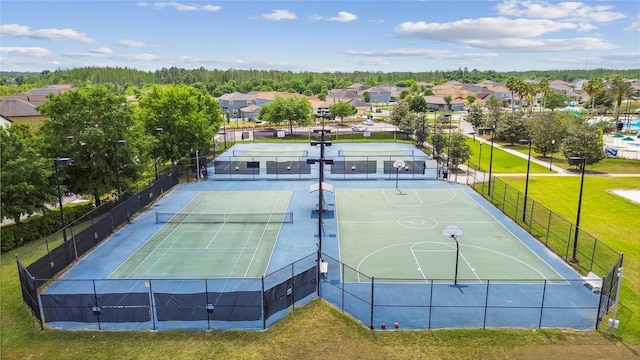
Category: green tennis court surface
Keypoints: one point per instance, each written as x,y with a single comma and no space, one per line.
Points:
227,234
398,234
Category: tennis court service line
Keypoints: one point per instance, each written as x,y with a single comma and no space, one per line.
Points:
157,246
255,251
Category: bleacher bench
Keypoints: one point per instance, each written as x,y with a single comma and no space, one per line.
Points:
593,280
325,207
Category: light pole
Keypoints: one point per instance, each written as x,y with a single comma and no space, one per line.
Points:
491,158
156,131
480,155
116,145
63,161
449,144
553,142
321,161
526,186
575,161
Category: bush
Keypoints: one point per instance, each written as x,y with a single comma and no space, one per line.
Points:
39,226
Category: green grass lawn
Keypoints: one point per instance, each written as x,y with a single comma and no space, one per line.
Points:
503,162
612,219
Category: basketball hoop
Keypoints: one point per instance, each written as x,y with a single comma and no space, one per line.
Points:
398,164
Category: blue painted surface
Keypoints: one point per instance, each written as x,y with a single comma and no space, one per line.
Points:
414,306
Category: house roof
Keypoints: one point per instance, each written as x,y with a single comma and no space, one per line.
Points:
250,108
272,95
15,107
236,96
343,95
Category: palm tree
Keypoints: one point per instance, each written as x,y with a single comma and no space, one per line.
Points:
544,88
512,84
592,88
619,90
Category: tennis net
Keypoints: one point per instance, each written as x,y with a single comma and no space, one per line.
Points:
212,218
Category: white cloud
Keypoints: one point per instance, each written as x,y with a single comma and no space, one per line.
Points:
17,30
180,6
278,15
634,27
561,10
344,17
480,29
370,62
102,51
428,53
37,52
131,43
543,45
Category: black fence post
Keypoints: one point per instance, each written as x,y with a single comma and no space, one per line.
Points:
486,306
264,320
372,286
544,292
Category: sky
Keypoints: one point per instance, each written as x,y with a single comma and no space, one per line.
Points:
321,36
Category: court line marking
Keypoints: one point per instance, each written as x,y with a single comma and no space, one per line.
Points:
273,247
349,195
152,251
516,237
172,243
255,251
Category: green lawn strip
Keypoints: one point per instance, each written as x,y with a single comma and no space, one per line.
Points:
503,162
610,218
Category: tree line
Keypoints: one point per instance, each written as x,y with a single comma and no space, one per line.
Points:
218,82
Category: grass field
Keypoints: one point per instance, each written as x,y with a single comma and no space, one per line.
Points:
319,331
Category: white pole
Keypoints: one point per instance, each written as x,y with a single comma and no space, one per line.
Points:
614,322
197,165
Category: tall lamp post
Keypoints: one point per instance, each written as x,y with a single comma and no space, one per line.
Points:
574,161
526,186
493,132
321,161
553,142
116,145
63,161
156,131
449,144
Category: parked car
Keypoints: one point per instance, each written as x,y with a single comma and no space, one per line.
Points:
368,122
359,128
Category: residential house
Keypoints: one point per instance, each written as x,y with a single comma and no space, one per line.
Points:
380,94
438,103
335,96
230,104
358,88
19,110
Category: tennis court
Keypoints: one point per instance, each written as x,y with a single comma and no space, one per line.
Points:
228,234
398,234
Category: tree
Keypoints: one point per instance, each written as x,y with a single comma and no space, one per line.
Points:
189,118
459,151
341,109
583,140
512,85
543,130
292,110
447,99
366,96
85,124
593,87
512,127
544,88
619,90
475,116
402,117
26,176
418,105
555,100
495,113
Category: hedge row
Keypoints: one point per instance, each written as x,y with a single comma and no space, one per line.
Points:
39,226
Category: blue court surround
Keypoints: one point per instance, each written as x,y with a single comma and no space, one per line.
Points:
413,305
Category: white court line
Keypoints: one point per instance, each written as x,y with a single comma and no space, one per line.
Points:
518,239
154,249
255,251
